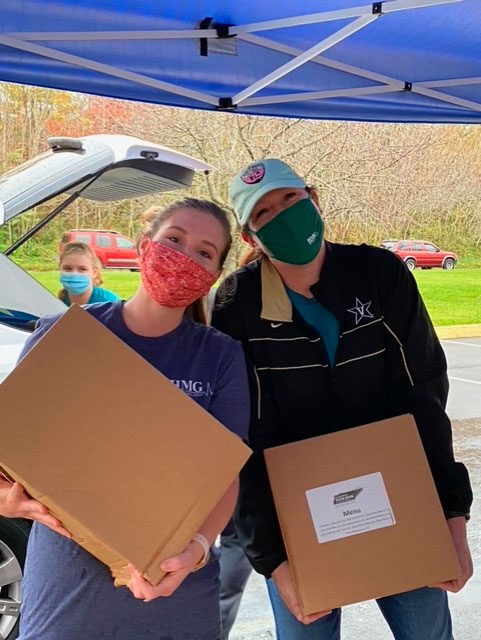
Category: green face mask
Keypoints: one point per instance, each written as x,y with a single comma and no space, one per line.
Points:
295,234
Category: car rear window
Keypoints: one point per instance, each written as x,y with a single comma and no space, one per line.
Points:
103,241
84,239
418,246
125,243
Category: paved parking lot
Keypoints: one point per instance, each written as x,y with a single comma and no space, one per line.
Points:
363,621
464,362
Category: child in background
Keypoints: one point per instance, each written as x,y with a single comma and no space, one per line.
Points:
81,276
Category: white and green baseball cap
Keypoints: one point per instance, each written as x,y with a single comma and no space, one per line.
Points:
257,179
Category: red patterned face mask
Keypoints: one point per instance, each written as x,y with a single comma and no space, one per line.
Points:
171,278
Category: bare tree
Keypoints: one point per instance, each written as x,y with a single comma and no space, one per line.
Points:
375,181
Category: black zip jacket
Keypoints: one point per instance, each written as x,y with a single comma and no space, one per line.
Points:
388,362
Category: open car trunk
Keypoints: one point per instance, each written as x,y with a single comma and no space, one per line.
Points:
104,168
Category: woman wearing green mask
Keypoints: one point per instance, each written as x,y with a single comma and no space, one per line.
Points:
336,336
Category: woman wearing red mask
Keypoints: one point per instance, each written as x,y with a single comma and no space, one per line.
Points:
67,592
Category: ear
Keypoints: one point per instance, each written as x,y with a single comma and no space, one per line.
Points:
96,276
142,244
315,198
248,239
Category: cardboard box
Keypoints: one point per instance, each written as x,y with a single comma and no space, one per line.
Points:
360,514
131,465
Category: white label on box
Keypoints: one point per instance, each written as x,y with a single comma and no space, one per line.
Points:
350,507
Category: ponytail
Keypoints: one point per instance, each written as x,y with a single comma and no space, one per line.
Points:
253,253
197,311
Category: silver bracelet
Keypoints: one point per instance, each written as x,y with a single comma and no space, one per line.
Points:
204,543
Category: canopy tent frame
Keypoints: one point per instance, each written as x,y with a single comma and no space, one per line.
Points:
361,17
389,84
255,91
376,8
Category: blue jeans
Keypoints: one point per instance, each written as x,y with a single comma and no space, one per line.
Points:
234,573
422,614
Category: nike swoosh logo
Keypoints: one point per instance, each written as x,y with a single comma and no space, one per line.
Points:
274,325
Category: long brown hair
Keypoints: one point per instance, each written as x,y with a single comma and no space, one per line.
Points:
252,253
155,216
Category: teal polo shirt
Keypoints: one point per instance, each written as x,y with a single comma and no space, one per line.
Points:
320,319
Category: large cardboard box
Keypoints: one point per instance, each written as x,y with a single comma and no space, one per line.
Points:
131,465
360,514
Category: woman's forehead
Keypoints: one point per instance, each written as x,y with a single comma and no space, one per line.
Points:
77,258
276,194
194,222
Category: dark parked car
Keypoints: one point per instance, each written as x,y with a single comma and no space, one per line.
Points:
426,255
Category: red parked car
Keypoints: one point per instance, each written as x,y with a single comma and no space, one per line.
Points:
418,253
114,250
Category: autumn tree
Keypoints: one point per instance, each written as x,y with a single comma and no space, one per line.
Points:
375,181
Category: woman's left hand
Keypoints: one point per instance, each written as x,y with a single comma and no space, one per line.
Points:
457,527
177,569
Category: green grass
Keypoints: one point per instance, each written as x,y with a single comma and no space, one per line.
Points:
451,297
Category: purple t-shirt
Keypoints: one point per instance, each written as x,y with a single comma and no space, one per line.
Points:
67,592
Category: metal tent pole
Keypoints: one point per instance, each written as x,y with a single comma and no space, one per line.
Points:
304,57
85,63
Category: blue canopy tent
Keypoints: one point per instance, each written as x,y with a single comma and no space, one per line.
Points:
398,60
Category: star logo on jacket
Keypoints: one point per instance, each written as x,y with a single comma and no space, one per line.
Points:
361,310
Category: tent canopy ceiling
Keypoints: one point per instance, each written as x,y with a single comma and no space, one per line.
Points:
398,60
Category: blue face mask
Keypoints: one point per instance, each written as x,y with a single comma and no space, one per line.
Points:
75,283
